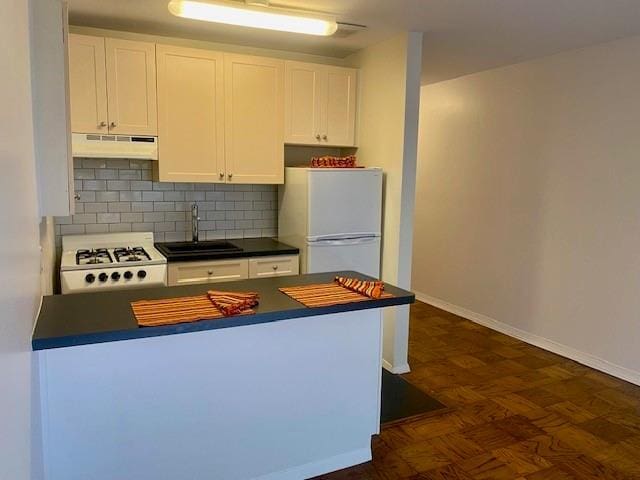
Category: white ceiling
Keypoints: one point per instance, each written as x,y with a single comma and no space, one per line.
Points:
461,36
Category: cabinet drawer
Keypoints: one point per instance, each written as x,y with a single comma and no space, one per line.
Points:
273,266
185,273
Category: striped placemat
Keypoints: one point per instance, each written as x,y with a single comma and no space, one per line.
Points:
326,295
171,311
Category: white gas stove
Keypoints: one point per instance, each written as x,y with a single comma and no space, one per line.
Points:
110,261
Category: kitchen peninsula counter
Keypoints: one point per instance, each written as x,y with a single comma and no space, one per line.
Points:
87,318
288,393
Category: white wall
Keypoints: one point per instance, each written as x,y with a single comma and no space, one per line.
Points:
19,255
50,94
528,202
387,137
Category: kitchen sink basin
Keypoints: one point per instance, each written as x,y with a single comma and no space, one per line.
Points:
198,248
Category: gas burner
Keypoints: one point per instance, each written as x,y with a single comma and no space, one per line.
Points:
93,257
131,254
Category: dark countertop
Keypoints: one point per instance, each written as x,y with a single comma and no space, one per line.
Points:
251,247
87,318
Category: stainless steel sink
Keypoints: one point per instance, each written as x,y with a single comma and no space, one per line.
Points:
211,246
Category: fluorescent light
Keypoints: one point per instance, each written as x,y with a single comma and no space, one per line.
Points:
270,18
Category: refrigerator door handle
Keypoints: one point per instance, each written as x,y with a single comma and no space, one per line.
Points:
344,236
344,241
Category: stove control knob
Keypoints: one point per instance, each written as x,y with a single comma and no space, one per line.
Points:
90,278
142,274
128,275
103,277
115,276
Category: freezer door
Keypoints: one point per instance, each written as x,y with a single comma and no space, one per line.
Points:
359,254
344,203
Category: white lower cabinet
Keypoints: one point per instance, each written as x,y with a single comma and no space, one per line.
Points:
276,266
210,271
189,273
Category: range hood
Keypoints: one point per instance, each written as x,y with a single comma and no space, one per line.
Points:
114,146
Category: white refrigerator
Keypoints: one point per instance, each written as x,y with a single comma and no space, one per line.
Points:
334,217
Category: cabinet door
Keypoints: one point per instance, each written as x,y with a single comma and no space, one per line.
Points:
131,87
87,84
190,115
254,119
302,87
276,266
186,273
339,112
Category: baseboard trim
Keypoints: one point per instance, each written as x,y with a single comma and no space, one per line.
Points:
313,469
584,358
404,368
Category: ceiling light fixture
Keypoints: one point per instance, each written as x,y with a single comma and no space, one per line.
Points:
253,14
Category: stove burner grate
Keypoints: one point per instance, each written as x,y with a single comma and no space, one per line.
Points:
131,254
93,256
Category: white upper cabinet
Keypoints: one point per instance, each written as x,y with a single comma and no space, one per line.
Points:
254,119
219,117
87,84
190,115
112,86
320,104
131,87
302,86
339,104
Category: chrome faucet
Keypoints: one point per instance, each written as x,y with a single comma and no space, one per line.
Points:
194,222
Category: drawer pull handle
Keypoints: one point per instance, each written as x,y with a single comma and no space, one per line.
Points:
275,267
210,272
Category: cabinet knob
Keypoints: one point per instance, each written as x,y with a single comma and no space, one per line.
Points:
76,196
324,137
230,176
210,272
318,137
113,124
102,124
275,267
221,175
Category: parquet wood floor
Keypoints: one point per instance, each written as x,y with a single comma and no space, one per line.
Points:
516,412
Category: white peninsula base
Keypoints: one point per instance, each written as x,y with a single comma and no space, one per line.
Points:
285,400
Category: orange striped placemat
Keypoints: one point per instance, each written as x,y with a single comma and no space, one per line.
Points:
326,295
171,311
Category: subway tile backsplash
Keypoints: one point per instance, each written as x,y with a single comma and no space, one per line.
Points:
118,195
